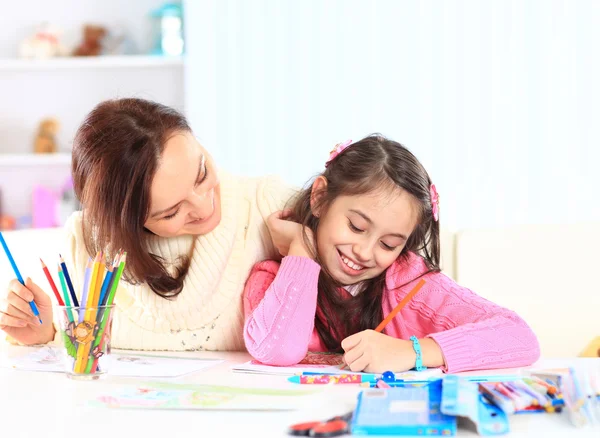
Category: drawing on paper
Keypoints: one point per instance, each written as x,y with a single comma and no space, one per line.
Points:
322,359
182,396
316,360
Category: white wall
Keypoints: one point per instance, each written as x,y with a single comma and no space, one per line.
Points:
498,99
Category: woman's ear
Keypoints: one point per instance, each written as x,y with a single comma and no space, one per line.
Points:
319,189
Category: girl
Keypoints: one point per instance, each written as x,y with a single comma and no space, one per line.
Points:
191,232
360,238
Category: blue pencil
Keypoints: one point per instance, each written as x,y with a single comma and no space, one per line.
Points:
105,286
34,308
68,280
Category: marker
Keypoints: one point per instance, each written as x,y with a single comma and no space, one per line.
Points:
500,400
550,388
492,378
316,373
325,379
542,399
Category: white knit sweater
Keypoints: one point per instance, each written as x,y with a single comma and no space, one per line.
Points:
207,314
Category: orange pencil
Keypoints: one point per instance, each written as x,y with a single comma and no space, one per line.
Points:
400,305
52,284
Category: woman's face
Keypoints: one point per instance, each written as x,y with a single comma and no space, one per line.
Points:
185,193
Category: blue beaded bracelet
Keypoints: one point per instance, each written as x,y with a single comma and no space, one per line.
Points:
417,347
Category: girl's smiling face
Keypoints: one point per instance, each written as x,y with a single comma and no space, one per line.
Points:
360,236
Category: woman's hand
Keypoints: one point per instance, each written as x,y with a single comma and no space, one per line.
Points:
375,352
287,235
17,319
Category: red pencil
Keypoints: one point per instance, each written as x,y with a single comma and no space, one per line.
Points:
52,285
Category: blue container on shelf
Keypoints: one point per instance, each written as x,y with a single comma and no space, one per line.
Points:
168,30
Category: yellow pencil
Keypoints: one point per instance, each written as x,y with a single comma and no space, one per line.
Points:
89,317
99,281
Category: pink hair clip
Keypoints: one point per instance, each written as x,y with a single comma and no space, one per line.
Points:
435,202
338,149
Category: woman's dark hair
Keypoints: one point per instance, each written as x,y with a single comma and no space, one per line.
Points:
372,163
116,152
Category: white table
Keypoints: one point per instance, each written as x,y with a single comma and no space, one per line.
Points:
41,405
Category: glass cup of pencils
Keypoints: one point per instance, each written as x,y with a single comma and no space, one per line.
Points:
85,327
85,334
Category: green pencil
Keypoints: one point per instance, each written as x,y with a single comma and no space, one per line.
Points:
105,317
63,285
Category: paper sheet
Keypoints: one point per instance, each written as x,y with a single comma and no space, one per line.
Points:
124,365
327,363
203,397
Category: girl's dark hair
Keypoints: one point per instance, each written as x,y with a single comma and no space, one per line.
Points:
372,163
116,152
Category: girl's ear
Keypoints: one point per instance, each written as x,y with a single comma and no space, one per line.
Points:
319,189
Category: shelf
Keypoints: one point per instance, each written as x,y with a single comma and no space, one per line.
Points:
130,61
27,160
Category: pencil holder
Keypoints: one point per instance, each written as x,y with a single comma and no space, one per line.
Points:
85,333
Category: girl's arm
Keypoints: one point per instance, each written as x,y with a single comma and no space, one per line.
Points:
472,332
279,305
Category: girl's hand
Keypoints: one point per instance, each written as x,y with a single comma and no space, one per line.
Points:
287,234
375,352
16,316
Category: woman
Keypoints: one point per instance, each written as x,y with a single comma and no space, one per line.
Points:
191,232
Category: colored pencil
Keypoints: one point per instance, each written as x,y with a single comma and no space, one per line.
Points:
113,290
99,282
105,285
89,316
92,287
99,341
115,267
400,305
103,294
69,283
34,308
52,284
113,270
86,287
394,312
63,285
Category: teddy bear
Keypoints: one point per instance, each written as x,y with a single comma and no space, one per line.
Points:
92,41
45,140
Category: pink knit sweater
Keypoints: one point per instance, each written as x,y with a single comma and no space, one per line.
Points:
280,304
